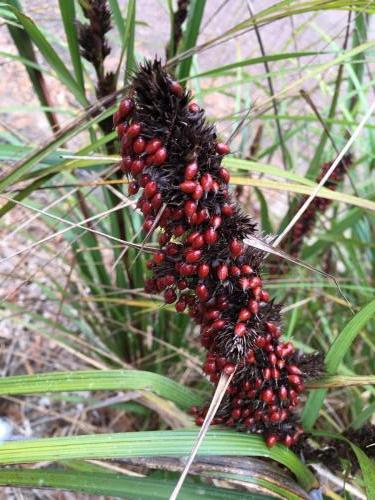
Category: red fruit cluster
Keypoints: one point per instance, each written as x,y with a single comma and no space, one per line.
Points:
170,151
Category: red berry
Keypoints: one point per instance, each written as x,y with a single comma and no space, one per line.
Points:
156,201
234,271
293,370
294,379
215,221
283,393
264,296
229,368
209,367
169,296
203,271
253,306
159,257
236,248
126,107
206,182
222,272
250,357
255,282
244,314
150,189
227,210
222,149
202,292
193,256
193,107
144,180
189,208
197,193
139,145
210,236
224,174
160,156
176,89
198,242
240,329
180,305
148,223
182,284
236,413
146,208
133,188
261,342
152,146
126,164
218,324
137,167
191,171
121,129
134,130
188,186
203,215
288,441
267,395
179,230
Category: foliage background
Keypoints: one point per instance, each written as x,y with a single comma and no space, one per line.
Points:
71,302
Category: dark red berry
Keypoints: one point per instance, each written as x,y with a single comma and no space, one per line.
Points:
169,296
203,271
160,156
224,174
176,89
222,149
191,171
193,107
236,248
152,146
188,186
206,182
202,292
134,130
137,167
133,188
222,272
240,329
189,208
126,107
150,189
139,145
210,236
193,256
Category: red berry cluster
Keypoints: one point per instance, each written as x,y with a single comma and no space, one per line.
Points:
170,151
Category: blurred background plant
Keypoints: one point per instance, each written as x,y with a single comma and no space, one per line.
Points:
290,81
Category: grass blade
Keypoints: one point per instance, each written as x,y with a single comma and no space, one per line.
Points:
151,443
67,10
94,380
333,359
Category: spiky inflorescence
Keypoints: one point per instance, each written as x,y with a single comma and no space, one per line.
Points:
318,206
170,151
94,45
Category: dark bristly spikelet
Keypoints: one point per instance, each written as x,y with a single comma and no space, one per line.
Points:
173,155
93,42
319,205
179,17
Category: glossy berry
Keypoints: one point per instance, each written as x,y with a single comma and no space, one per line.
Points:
222,149
134,130
139,145
160,156
152,146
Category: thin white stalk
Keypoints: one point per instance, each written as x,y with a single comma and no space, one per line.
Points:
214,406
327,175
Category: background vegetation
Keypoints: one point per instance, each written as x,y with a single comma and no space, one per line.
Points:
93,368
